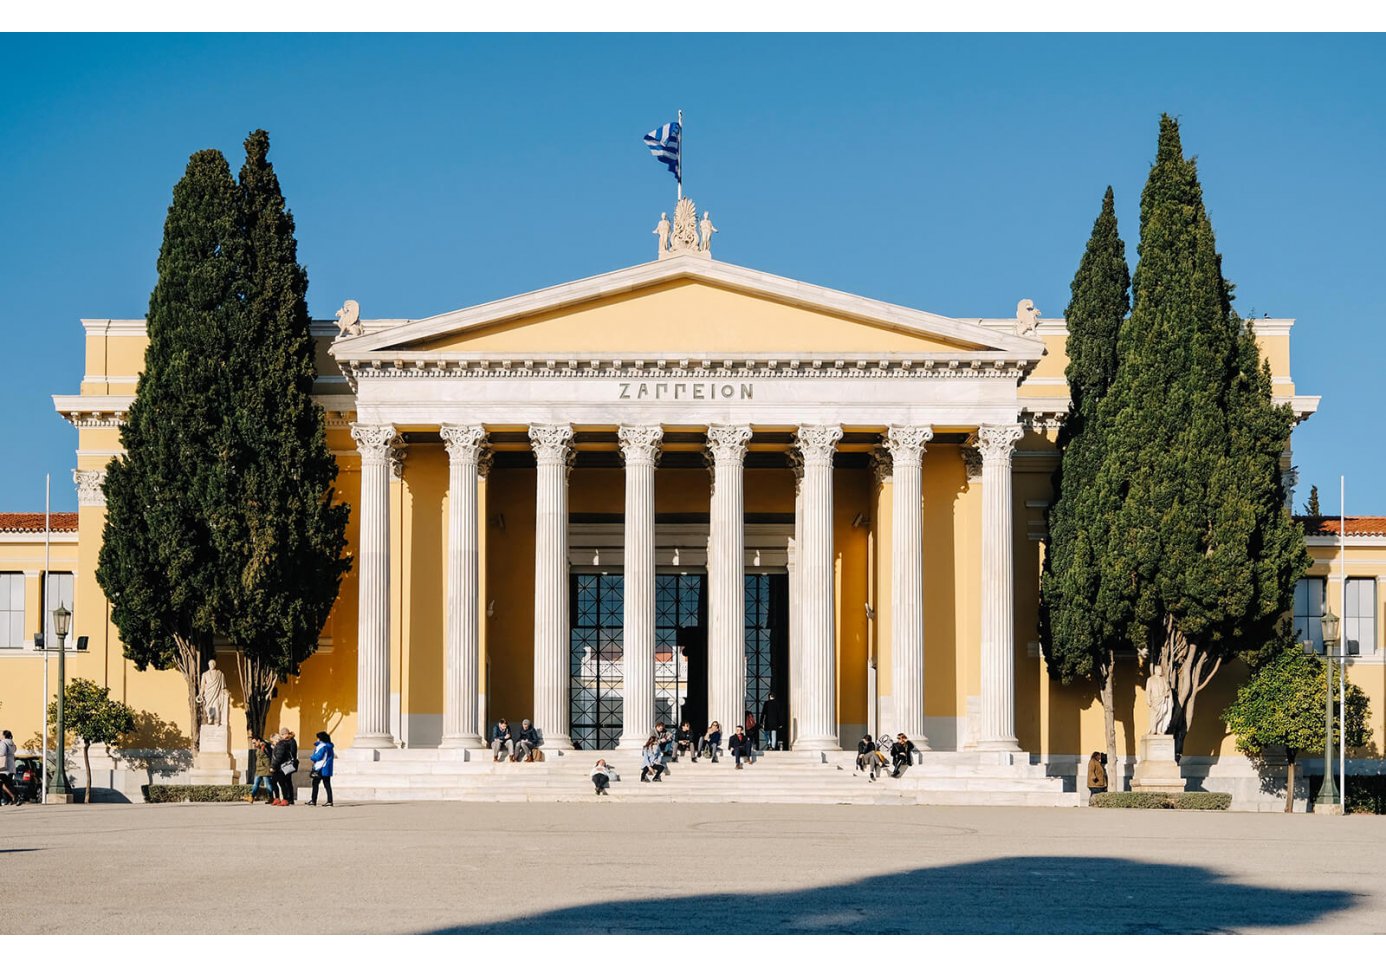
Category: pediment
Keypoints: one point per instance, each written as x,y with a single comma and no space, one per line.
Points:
685,306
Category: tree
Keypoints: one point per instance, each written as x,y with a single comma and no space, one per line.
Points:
1202,557
1079,642
158,564
279,535
1282,705
91,715
1312,508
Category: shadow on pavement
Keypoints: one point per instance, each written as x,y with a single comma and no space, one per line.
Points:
1016,895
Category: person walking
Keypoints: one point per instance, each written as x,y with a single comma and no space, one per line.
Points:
501,745
7,751
602,775
1097,776
323,756
752,729
285,762
261,757
650,760
771,722
740,746
710,743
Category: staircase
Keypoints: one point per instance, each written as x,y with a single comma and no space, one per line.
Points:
985,779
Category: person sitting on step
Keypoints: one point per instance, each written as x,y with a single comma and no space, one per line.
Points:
740,746
866,749
711,742
526,742
683,740
666,740
650,757
902,755
501,745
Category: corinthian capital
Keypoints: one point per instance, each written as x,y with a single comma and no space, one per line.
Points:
728,444
997,442
464,442
640,445
375,441
91,488
906,444
552,442
817,442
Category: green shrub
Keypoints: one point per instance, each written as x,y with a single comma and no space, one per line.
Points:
1194,800
171,793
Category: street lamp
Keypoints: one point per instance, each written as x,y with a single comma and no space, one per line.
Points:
57,780
1327,799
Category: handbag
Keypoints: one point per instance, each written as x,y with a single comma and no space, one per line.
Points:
316,774
289,767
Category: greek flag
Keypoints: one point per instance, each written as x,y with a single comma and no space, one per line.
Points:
663,143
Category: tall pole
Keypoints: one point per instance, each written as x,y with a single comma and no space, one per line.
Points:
1342,652
1328,794
679,177
43,606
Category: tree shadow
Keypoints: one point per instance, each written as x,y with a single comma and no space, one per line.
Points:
1013,895
155,745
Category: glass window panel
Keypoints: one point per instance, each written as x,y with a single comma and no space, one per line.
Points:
12,610
1359,625
1309,594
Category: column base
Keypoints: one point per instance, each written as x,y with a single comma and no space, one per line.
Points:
1001,745
57,798
374,741
816,744
472,742
631,742
556,742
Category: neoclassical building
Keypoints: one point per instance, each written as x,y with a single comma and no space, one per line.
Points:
670,492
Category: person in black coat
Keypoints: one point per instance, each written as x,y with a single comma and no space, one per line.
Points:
771,721
901,755
526,740
285,752
683,740
710,743
740,745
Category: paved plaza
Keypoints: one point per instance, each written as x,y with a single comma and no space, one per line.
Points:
608,867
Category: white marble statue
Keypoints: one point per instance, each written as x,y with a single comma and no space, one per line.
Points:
1026,317
1161,701
685,226
349,319
212,694
662,230
706,228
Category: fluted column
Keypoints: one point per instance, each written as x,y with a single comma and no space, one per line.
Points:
796,597
553,453
726,568
818,643
462,619
375,443
640,448
998,597
906,446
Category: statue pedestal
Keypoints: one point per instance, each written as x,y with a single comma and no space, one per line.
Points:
1157,771
214,764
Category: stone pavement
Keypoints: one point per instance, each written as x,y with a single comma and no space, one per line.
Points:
606,866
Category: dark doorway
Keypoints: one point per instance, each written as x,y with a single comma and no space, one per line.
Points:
767,650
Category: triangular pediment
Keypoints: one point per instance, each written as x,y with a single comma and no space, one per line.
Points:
685,306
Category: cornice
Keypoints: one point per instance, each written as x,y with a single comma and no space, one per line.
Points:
137,327
108,410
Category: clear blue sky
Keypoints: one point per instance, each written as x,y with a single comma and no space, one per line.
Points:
954,174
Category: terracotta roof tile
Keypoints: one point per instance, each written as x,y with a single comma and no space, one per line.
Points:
1359,527
33,523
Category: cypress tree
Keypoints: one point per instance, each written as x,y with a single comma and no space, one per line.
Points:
1201,561
1079,642
158,565
282,538
1312,508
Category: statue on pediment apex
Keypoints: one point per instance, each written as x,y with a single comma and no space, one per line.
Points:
685,227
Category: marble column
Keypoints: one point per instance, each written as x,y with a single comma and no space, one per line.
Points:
796,597
375,443
726,569
818,642
906,446
462,618
998,596
640,449
553,453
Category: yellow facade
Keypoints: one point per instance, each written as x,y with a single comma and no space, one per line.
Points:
664,319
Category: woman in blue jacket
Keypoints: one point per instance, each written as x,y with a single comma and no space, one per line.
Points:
323,757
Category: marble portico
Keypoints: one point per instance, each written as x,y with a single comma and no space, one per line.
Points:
429,377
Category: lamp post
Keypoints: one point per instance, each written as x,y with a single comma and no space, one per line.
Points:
57,780
1327,800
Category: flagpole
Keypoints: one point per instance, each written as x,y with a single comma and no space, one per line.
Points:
43,603
1342,652
679,179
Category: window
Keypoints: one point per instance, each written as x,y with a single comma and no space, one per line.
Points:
1359,618
11,610
1309,611
58,588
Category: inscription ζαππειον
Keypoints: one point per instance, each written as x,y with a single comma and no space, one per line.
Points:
685,390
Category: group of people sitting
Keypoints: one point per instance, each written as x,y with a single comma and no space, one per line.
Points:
874,756
518,746
672,744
